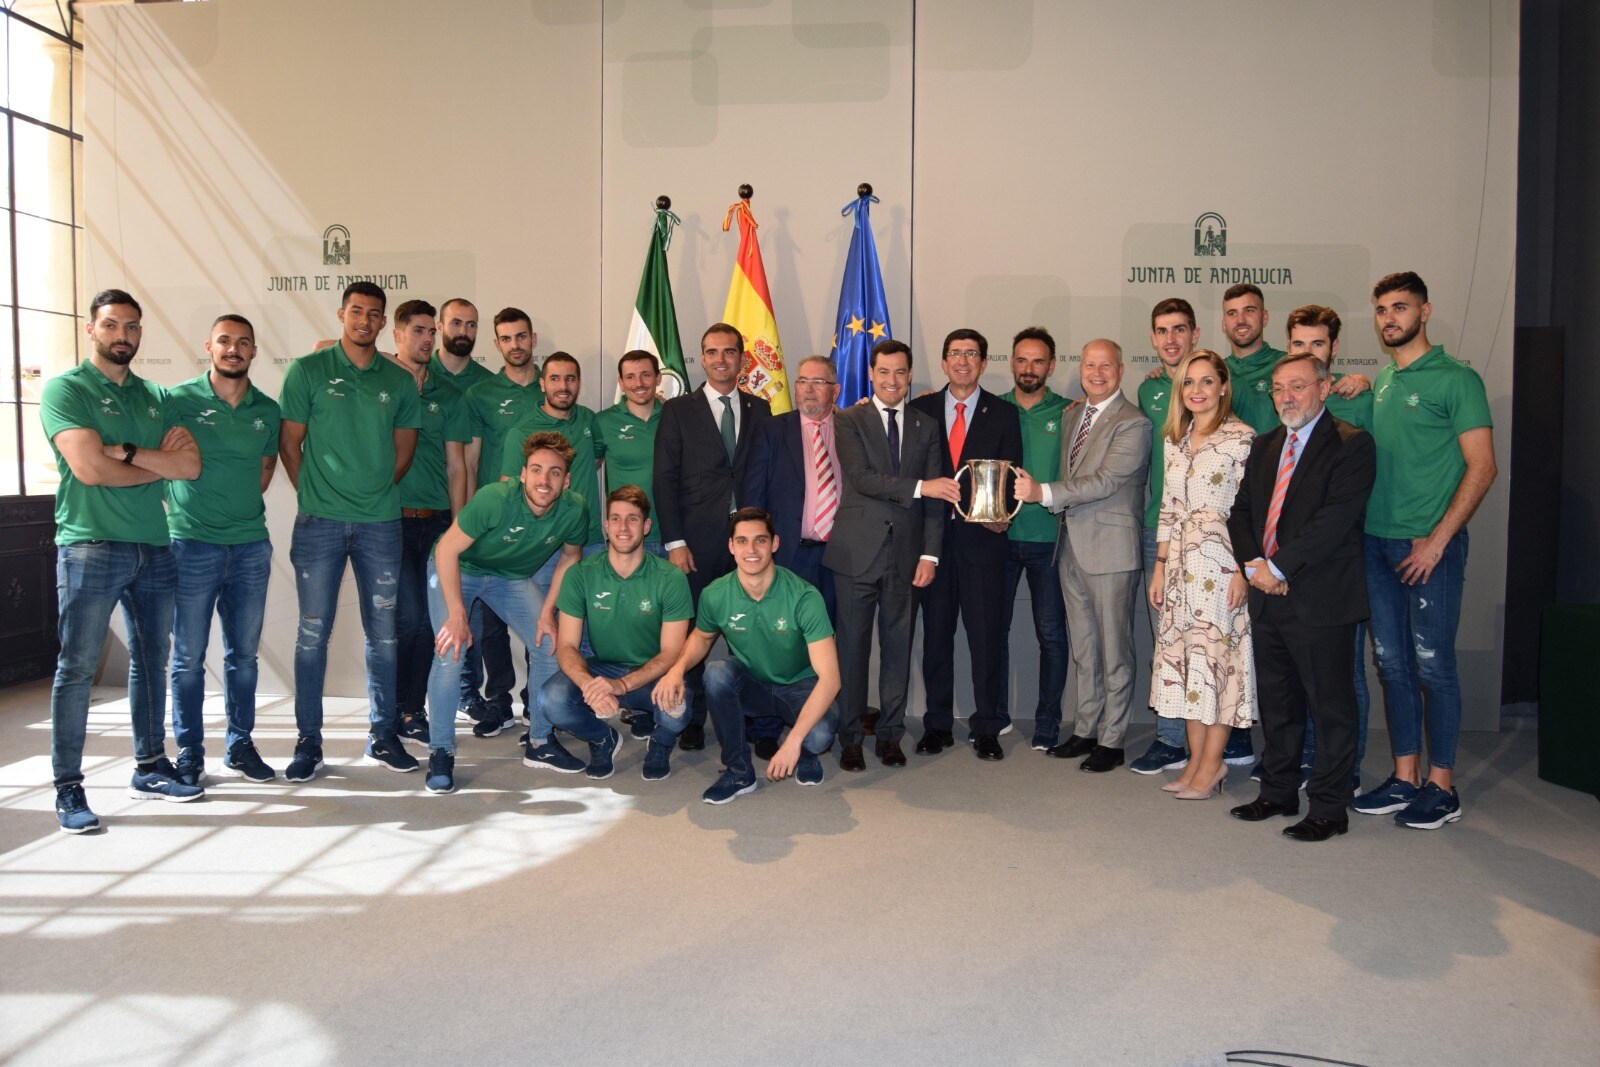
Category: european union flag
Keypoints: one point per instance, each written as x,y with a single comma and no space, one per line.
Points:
863,313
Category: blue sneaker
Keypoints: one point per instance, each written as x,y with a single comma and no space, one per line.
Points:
643,725
552,757
243,759
494,722
1256,772
191,766
387,750
657,762
72,810
159,781
728,786
1392,795
1239,751
307,761
603,755
1432,808
441,772
1044,741
1159,757
808,769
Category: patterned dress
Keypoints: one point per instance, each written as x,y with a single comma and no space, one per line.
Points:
1204,665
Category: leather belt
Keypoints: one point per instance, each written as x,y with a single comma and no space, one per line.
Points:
420,513
806,542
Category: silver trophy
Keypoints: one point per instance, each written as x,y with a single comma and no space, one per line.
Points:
988,491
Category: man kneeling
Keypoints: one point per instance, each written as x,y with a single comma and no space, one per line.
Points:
784,661
638,609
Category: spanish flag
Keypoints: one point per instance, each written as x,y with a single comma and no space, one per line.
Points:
749,309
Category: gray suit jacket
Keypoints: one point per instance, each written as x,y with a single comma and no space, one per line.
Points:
1103,496
876,505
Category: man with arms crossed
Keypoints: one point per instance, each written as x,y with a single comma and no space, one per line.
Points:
115,443
218,524
784,662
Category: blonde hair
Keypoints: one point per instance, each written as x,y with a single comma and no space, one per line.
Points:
1179,417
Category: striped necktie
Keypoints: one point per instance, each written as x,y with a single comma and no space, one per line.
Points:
1269,542
1083,435
827,488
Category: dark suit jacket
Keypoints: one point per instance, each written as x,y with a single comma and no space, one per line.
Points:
994,431
876,504
693,479
775,480
1319,531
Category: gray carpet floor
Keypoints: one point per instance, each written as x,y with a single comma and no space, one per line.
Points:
954,912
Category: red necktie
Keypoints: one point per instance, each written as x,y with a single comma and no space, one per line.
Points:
958,435
1269,543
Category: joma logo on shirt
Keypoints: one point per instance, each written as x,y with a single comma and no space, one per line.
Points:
733,622
599,600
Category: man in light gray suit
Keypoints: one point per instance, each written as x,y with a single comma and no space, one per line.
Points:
1101,500
885,542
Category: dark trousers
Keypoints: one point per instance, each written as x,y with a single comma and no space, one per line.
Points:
709,566
974,595
412,627
879,592
807,563
1301,667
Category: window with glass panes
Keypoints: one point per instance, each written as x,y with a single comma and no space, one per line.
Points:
41,105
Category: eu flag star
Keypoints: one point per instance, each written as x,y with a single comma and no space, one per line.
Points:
878,331
855,325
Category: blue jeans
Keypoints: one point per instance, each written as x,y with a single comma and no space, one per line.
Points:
230,580
1037,560
1168,731
1363,705
1414,639
734,694
92,578
516,600
411,625
563,703
319,551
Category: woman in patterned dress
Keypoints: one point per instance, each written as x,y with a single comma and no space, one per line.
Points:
1203,671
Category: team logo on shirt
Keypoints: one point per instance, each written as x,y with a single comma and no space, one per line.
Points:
204,417
510,536
504,409
599,600
624,431
105,406
781,626
259,426
152,412
1052,426
1413,400
383,396
644,607
733,623
433,407
1263,386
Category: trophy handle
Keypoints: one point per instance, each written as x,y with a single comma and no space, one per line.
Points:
963,514
1018,506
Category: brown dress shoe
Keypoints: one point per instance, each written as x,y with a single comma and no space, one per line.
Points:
850,758
889,752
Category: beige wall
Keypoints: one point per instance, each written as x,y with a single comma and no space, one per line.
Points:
1028,156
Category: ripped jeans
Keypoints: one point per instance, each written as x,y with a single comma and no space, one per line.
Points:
319,551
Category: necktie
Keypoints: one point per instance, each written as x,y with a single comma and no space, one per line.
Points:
894,443
728,435
827,489
1083,435
958,435
1269,542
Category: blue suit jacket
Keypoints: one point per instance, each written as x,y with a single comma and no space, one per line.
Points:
775,480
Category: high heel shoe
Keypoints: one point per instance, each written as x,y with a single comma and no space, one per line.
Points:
1177,785
1218,784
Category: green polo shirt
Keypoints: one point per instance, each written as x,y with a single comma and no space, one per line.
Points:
1041,457
136,411
350,415
1417,414
578,429
769,635
625,614
1250,379
494,405
444,418
223,506
508,540
629,446
1155,397
473,373
1356,410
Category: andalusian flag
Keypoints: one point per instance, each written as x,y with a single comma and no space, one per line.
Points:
749,310
863,312
655,321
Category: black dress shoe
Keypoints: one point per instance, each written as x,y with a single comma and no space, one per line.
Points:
989,748
889,752
1102,759
850,758
1260,809
765,747
1312,828
1072,747
936,741
693,738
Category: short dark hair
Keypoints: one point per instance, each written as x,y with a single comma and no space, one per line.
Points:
629,494
1243,289
1405,281
887,347
562,357
720,327
1314,315
411,309
107,297
1172,305
1035,333
456,300
751,515
638,355
231,317
549,441
505,315
965,334
364,289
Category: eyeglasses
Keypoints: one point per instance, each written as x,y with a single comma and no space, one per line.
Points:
814,381
964,353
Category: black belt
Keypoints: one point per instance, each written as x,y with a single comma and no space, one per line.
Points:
806,542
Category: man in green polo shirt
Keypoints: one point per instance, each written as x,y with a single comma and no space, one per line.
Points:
562,380
626,431
1031,538
635,607
349,431
1244,322
458,335
507,531
784,661
1435,441
432,491
116,444
218,524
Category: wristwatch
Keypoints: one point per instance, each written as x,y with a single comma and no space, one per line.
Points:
128,450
